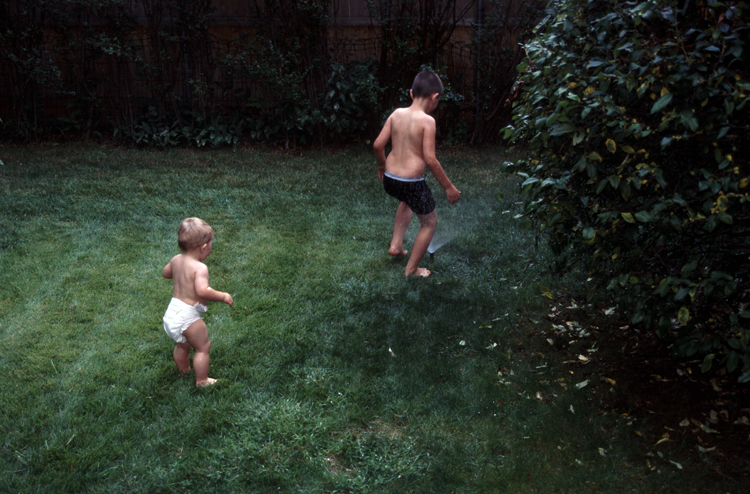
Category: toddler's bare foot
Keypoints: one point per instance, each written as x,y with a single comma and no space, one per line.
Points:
421,272
208,382
397,252
184,371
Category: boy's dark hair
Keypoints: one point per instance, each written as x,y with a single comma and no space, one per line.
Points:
193,233
426,84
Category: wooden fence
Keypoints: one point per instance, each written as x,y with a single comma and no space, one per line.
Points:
76,70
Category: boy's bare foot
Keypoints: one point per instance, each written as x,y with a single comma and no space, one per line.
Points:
420,272
208,382
396,252
183,372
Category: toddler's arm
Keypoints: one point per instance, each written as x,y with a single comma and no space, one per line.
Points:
206,292
167,271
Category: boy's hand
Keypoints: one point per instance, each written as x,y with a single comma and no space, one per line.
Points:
453,194
228,299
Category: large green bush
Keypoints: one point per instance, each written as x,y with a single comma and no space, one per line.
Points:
636,119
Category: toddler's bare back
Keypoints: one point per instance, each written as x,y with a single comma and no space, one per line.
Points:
184,271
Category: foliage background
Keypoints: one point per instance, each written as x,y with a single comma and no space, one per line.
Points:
162,72
636,119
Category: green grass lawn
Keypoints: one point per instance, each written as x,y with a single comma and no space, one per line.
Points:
336,374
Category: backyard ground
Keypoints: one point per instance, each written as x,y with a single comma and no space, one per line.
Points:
671,405
336,374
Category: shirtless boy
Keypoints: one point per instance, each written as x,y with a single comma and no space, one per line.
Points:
412,134
182,320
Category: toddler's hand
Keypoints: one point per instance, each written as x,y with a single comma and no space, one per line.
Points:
228,299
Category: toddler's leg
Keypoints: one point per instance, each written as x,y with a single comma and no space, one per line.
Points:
428,223
403,218
181,356
197,336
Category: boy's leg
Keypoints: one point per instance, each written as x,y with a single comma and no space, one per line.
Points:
181,356
197,336
403,218
428,223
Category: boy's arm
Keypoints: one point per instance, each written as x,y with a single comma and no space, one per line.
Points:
428,153
206,292
167,271
379,147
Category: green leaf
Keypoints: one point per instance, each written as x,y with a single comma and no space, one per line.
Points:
745,377
707,361
725,217
561,129
661,103
644,216
688,268
734,343
732,360
683,316
628,217
681,294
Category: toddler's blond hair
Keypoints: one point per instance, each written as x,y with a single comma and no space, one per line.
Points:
193,233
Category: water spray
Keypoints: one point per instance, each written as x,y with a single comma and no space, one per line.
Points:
441,238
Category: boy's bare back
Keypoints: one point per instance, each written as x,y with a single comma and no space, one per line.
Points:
412,133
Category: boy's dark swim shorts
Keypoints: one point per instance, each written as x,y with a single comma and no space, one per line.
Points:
413,191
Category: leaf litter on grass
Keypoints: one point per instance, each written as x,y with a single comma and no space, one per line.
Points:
648,386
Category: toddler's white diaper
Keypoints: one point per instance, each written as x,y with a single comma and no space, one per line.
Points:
179,317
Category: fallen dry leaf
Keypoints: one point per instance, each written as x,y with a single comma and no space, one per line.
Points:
708,430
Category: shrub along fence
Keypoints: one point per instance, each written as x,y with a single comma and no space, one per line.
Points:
168,72
637,118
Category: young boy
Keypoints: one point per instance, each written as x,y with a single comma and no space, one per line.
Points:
182,321
412,134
